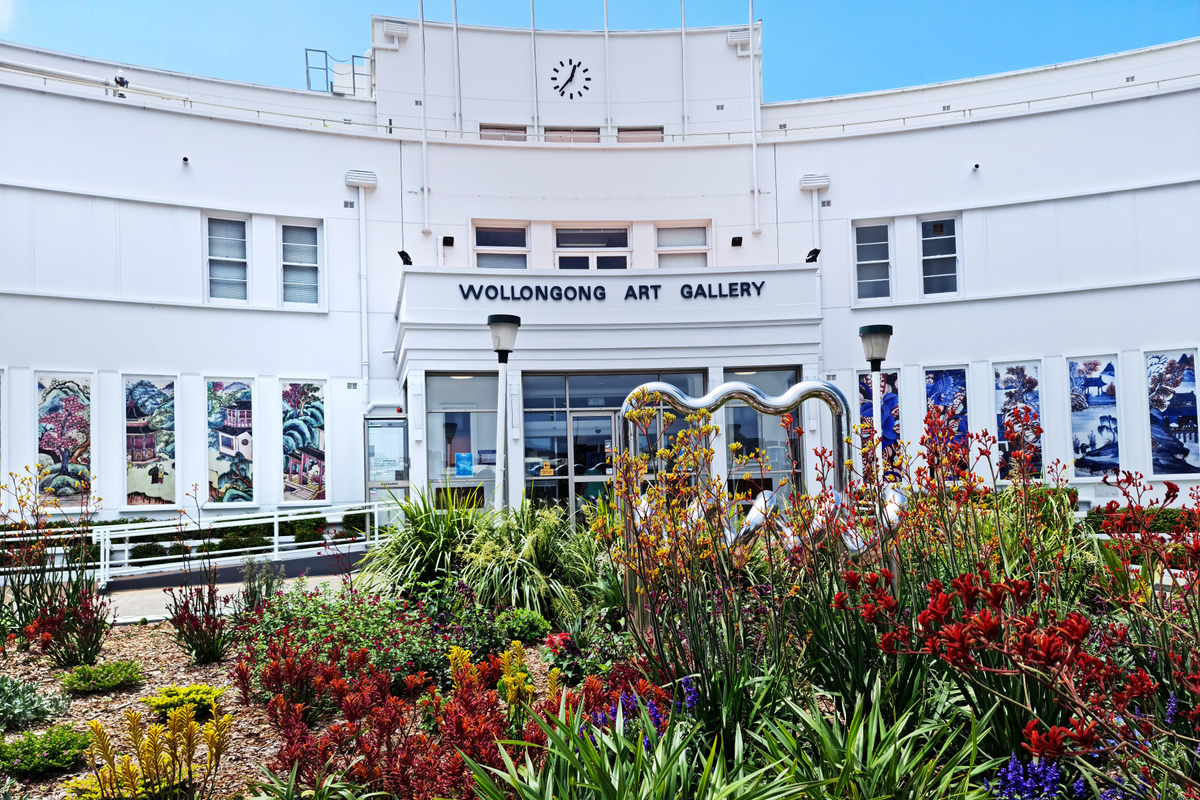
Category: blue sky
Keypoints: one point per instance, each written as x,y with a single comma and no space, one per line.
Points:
811,48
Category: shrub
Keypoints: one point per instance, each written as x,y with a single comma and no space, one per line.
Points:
200,695
21,705
426,544
163,767
523,624
32,755
147,550
104,677
73,632
260,582
305,530
195,615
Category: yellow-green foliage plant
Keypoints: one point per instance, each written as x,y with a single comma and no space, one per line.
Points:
166,762
200,695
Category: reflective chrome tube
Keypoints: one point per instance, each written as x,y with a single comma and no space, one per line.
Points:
790,400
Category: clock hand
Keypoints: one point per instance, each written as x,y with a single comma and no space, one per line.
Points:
570,77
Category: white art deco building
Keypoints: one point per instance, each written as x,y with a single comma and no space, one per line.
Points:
206,283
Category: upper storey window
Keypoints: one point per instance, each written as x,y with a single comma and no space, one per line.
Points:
501,133
682,246
872,264
300,265
501,248
939,256
609,248
583,135
634,135
226,259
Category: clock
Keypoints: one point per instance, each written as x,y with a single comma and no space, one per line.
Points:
570,79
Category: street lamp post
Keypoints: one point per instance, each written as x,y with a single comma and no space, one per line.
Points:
875,339
504,336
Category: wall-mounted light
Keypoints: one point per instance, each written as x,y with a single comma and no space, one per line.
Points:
405,258
811,258
735,241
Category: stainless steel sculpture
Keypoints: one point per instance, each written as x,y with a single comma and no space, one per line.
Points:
790,400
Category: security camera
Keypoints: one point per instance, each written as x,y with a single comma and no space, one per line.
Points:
405,258
976,166
185,160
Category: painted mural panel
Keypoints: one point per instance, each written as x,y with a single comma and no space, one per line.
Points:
1094,416
889,409
65,436
303,441
1018,414
230,442
149,441
1171,386
946,390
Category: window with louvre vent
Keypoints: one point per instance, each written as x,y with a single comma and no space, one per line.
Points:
301,265
226,259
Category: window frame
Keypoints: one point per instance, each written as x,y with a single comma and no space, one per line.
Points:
890,224
573,135
593,252
226,301
476,249
280,223
707,249
635,130
955,217
496,132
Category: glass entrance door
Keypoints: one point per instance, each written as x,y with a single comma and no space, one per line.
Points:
591,457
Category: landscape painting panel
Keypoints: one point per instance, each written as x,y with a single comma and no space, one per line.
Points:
1094,444
1018,415
149,441
303,442
1171,386
889,418
230,442
65,437
946,391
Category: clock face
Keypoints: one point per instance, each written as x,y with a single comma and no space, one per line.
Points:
570,79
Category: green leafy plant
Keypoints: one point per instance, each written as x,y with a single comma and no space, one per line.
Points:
104,677
200,695
33,755
918,756
426,543
260,582
147,550
21,704
523,624
329,786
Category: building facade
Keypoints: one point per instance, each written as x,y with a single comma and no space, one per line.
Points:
248,297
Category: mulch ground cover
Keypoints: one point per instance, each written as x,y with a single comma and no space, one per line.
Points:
252,741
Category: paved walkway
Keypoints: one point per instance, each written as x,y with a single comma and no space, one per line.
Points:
134,605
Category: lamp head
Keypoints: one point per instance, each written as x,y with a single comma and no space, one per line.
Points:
875,340
504,333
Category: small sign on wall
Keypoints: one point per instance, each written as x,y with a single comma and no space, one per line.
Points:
464,466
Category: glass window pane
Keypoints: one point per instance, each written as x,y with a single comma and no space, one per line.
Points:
592,237
872,272
548,493
545,444
639,134
500,260
690,383
501,133
544,391
682,237
873,252
772,382
445,392
938,247
227,270
603,391
682,260
592,439
941,285
931,267
573,262
227,290
227,228
869,290
937,227
500,237
299,244
610,262
462,449
387,450
871,233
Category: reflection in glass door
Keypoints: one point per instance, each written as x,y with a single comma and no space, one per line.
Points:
592,450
